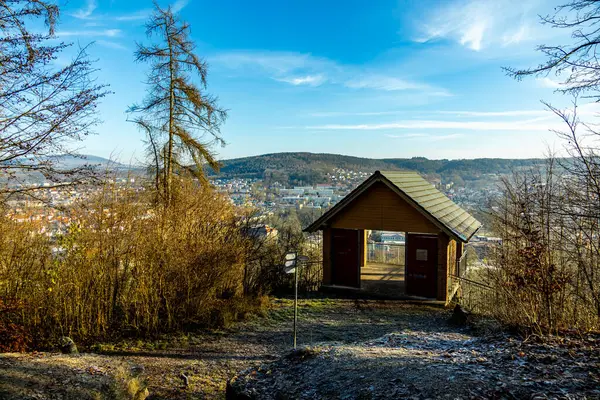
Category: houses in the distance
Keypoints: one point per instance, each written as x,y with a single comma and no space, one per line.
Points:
392,238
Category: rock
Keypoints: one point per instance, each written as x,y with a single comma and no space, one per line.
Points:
142,394
67,345
235,391
137,370
281,396
303,353
459,316
185,379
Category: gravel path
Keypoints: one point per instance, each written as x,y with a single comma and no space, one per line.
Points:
431,365
356,356
207,359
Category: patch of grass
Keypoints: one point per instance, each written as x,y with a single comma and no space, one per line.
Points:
128,387
304,353
102,348
223,321
133,345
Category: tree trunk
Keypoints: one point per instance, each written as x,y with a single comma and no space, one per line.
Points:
168,182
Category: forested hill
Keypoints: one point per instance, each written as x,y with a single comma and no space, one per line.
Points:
311,168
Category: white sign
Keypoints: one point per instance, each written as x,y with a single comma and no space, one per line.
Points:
290,270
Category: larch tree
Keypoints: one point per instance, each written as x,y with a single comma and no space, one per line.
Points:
45,106
180,120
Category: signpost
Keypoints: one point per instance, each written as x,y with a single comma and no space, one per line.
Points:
291,267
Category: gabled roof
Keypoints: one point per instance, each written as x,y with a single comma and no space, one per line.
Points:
419,193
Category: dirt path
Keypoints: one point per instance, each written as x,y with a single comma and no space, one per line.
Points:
207,359
357,356
430,365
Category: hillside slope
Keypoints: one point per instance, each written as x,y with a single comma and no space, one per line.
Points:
313,167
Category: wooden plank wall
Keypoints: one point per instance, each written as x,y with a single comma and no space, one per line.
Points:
379,208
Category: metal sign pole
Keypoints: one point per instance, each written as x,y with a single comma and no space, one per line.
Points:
295,304
290,266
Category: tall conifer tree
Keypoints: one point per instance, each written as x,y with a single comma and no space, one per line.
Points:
180,120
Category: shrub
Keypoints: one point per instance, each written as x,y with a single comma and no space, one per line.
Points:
539,273
127,265
13,337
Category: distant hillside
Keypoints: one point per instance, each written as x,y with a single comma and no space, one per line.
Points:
67,161
312,168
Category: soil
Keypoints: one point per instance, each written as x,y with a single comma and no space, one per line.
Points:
351,349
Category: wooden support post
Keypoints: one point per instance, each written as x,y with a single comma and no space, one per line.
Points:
442,270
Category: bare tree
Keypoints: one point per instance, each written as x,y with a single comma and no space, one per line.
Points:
577,200
534,274
180,120
580,203
576,63
44,108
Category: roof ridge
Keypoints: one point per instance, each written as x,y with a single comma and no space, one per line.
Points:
415,189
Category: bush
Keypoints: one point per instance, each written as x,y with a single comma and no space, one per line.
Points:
13,337
264,272
544,274
127,265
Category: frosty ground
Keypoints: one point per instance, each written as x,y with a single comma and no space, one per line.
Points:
354,349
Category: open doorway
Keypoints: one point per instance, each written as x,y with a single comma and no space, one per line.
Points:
383,270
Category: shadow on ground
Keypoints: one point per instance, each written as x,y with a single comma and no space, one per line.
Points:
208,360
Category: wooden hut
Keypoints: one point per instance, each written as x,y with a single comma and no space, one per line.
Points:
436,229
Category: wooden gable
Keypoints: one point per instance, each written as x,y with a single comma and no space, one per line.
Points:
380,208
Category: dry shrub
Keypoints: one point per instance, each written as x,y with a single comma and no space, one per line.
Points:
127,266
264,272
539,273
13,337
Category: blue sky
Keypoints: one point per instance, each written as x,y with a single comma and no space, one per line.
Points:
367,78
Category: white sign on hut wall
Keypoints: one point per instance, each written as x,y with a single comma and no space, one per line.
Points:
421,255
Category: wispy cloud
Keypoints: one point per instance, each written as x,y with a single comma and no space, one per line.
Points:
179,5
455,113
407,135
517,36
358,114
390,83
311,80
523,125
111,44
278,64
437,138
382,82
97,33
549,83
134,16
477,24
486,114
306,69
86,12
93,24
426,137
